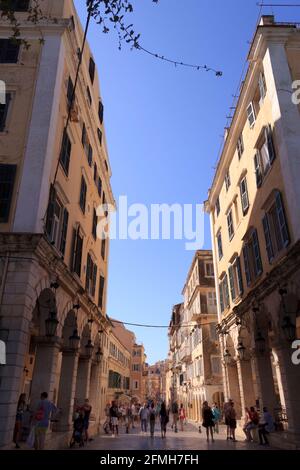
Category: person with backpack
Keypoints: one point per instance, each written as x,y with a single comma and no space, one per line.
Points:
182,416
152,415
42,419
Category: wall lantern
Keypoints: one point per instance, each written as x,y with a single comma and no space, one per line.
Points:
227,357
99,355
289,329
241,351
54,285
260,343
51,324
74,340
89,348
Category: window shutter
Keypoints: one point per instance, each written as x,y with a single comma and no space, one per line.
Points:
88,272
3,111
220,248
50,210
94,228
101,292
258,263
65,152
239,276
226,291
268,238
258,172
90,155
231,282
282,220
99,186
262,85
244,196
73,250
64,232
247,265
7,181
94,279
99,136
92,68
103,248
203,300
101,112
79,254
271,148
83,135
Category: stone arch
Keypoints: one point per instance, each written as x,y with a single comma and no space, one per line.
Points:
68,328
45,303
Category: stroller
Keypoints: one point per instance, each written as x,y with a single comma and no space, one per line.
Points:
77,436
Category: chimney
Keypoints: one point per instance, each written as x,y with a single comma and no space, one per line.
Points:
267,20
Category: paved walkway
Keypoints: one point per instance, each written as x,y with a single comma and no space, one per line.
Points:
189,439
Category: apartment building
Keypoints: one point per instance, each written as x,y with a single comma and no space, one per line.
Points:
194,346
53,176
119,370
137,373
255,227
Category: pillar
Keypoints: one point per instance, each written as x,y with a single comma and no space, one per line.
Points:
265,381
246,384
66,391
83,379
234,388
95,392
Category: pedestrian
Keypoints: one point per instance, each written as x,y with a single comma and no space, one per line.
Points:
175,415
182,416
41,419
216,417
152,414
127,418
114,418
21,408
133,414
251,422
87,409
208,420
232,421
226,410
266,426
144,416
164,419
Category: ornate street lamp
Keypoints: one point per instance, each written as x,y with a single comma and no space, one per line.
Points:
89,348
241,350
54,285
99,355
289,329
227,357
74,340
260,343
51,324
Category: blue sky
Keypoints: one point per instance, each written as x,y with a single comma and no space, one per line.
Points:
164,128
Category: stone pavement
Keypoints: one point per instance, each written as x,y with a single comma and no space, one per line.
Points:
189,439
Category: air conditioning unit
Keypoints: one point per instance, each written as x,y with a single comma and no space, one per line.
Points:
74,114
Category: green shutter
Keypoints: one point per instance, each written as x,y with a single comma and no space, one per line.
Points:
268,238
231,282
282,220
247,265
239,276
257,257
64,231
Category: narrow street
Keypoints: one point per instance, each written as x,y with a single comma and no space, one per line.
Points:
190,439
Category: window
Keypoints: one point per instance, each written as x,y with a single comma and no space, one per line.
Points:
7,181
262,87
235,279
99,133
101,112
77,245
91,276
276,228
70,92
265,156
209,270
251,115
99,186
16,5
65,153
57,222
240,146
82,199
4,111
224,294
220,246
86,145
244,195
9,51
227,180
101,292
218,206
230,225
136,384
114,379
95,173
103,248
92,68
216,367
89,95
211,299
252,258
136,367
213,332
94,226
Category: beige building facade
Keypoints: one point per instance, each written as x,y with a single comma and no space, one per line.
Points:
254,210
53,266
194,348
137,373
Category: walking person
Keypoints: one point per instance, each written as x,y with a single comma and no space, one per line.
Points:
152,415
133,414
226,411
182,416
144,416
41,419
266,426
114,418
208,420
216,417
87,409
164,419
21,408
175,415
232,421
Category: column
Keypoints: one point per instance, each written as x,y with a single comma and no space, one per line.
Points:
95,392
265,381
66,391
45,368
234,388
290,383
246,384
83,379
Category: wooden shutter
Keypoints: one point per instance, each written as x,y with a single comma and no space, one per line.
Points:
231,282
226,291
258,172
101,292
257,257
271,148
282,220
268,238
64,231
3,111
94,279
221,296
101,112
239,276
247,265
92,68
50,210
88,272
7,181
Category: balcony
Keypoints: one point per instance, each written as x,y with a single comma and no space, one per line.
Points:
185,354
